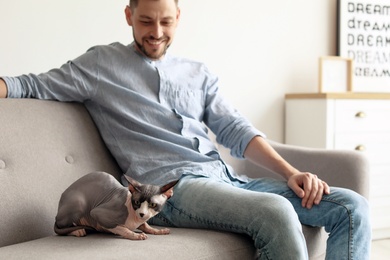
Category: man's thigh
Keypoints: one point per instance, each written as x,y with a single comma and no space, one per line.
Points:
200,202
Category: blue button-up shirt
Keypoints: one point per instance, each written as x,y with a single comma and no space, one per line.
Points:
152,115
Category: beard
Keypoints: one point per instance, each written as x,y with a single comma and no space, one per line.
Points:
154,55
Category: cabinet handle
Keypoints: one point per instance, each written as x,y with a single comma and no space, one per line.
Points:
360,114
360,148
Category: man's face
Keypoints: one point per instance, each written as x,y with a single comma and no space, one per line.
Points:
154,24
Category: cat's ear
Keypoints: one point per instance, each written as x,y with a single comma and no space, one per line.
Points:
167,190
133,184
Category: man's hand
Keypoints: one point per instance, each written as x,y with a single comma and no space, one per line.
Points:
308,187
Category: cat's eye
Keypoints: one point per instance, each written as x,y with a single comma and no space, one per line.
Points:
152,205
137,202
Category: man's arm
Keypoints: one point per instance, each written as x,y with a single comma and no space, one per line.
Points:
306,185
3,89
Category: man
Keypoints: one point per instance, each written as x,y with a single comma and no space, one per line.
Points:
150,108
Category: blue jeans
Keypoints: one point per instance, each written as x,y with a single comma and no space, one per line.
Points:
271,214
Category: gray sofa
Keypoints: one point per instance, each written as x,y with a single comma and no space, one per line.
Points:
46,145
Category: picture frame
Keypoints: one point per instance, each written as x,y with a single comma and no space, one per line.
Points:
335,74
363,36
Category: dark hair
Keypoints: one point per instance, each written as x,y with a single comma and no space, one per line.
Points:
134,3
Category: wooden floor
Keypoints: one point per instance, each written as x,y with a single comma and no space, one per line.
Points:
380,250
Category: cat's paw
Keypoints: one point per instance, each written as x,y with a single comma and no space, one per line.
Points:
164,231
78,233
135,236
140,236
155,231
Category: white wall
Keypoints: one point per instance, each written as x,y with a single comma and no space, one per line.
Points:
259,49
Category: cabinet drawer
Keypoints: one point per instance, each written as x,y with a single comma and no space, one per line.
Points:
375,146
362,116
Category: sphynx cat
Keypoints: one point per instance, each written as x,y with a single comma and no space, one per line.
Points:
97,201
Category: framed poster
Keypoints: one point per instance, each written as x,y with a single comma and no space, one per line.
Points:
335,74
364,36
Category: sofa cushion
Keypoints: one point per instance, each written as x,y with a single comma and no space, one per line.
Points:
44,147
180,244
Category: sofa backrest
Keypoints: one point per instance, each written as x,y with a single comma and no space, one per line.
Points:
44,147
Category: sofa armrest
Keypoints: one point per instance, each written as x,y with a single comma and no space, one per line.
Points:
341,168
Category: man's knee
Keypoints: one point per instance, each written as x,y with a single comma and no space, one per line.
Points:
359,207
349,208
353,203
275,218
278,226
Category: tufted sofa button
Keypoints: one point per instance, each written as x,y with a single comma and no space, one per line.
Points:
2,165
69,159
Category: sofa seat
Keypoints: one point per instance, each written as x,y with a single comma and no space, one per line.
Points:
180,244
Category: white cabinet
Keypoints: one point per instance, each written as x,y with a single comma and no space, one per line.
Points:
354,121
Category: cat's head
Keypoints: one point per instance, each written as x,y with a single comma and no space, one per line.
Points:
148,200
